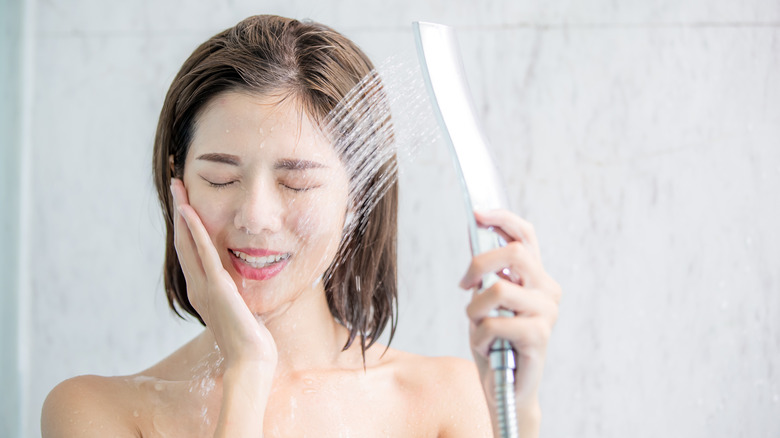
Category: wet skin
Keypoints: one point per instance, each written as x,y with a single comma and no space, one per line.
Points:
261,181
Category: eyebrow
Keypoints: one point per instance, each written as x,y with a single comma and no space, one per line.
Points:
283,164
292,164
232,160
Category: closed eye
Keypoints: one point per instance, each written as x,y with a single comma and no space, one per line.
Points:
298,189
218,185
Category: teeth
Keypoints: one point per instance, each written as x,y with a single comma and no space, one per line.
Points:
260,262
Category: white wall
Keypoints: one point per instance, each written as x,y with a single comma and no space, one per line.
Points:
642,139
10,176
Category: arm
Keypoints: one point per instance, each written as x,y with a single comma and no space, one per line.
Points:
247,346
91,406
243,407
524,288
83,407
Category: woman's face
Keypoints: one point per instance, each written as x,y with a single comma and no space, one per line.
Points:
272,194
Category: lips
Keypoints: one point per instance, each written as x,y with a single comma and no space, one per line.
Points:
258,264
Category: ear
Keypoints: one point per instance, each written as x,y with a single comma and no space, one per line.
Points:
171,165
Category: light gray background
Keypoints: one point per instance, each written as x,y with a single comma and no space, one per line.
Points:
641,137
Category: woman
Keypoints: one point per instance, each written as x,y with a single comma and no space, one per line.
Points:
284,247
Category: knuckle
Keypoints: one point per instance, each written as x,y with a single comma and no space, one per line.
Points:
530,229
540,332
477,264
516,250
554,312
471,310
489,325
555,291
501,291
533,334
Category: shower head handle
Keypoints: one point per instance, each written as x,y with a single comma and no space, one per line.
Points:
445,79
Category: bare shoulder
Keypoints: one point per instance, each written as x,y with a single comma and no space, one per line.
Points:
450,389
88,406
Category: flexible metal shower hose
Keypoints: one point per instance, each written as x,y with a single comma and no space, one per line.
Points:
502,361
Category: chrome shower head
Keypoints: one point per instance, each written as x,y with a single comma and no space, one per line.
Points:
445,79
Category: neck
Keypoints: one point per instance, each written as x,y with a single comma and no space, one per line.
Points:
306,336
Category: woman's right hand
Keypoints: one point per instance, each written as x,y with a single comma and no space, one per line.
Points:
245,343
242,339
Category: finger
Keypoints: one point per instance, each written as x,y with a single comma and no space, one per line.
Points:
554,290
527,335
520,300
515,257
510,226
209,257
183,241
179,191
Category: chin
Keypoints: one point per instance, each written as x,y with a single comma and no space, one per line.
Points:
258,300
264,301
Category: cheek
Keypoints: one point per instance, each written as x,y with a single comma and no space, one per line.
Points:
213,211
319,219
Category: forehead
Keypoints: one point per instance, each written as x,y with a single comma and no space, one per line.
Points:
243,123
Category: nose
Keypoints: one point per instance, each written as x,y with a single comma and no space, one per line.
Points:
260,210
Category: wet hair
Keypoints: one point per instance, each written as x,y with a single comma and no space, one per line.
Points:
317,67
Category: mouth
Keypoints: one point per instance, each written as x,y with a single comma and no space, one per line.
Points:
260,266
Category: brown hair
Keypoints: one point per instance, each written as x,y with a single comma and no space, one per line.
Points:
317,66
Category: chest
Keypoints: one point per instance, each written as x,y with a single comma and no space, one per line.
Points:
357,407
304,407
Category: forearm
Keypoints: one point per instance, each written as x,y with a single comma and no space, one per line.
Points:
529,418
244,397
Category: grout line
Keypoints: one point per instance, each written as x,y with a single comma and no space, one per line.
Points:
25,289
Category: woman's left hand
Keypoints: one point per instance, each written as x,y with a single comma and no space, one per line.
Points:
526,289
